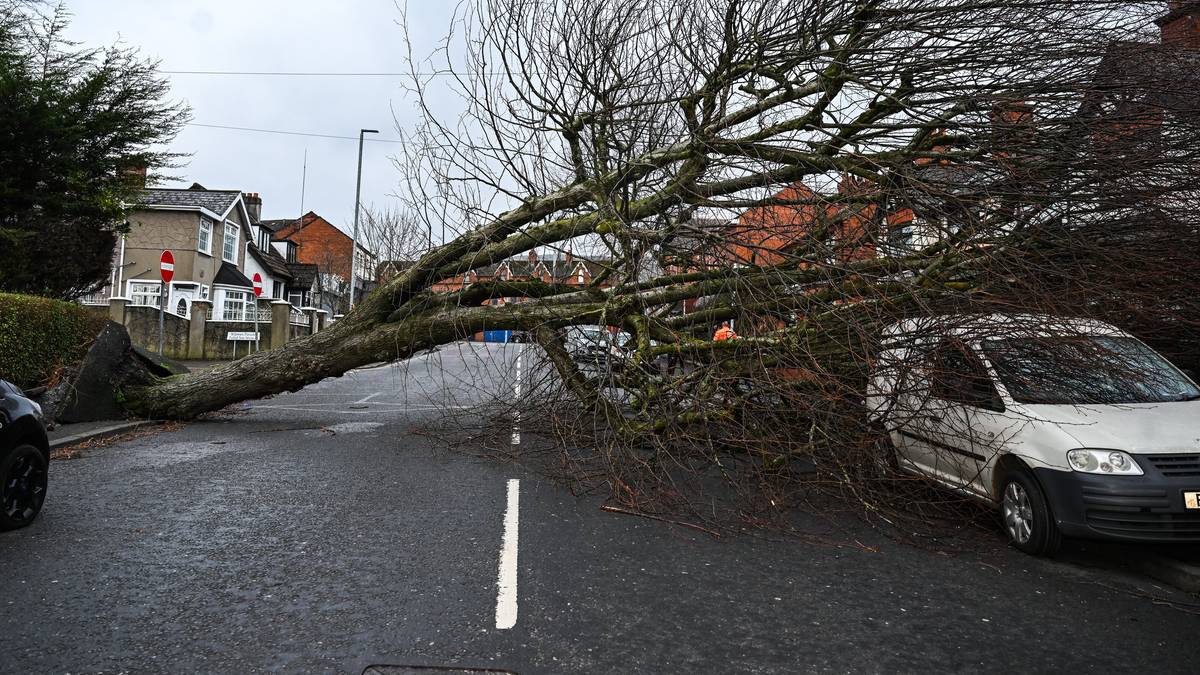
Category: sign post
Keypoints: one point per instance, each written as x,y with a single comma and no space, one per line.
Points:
257,294
166,269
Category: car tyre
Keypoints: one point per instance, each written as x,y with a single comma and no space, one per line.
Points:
22,486
1028,521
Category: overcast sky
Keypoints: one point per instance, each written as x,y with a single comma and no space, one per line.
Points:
278,35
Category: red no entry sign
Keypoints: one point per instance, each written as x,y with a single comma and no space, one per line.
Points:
166,266
257,284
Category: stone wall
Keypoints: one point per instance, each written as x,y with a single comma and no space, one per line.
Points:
142,324
218,348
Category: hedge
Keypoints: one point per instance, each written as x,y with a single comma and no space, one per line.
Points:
38,335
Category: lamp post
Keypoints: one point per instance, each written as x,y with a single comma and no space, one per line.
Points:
357,195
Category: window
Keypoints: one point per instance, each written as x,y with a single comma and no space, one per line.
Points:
264,240
237,306
959,377
182,308
204,238
899,238
297,299
204,292
1082,370
579,278
277,291
229,250
144,293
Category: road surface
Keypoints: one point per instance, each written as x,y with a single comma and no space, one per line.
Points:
323,531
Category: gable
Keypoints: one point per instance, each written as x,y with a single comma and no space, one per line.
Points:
237,213
315,227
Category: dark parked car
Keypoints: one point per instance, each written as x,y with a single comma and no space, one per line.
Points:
24,458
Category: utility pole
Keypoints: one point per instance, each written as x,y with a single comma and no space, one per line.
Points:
357,197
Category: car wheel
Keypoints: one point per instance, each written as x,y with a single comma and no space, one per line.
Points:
22,486
1027,519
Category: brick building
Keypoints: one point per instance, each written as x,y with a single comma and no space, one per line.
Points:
319,242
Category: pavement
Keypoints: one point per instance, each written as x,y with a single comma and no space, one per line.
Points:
330,530
63,435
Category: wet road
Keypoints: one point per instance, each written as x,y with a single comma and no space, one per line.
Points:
322,531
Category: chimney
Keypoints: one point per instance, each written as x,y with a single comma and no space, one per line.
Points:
136,174
854,185
1181,25
1011,112
532,257
253,206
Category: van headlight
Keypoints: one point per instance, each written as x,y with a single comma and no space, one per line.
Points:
1095,460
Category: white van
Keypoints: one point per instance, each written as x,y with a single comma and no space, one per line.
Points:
1068,426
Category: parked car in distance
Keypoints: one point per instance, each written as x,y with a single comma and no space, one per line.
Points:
24,458
1067,426
595,345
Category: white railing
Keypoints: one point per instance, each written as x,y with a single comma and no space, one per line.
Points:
264,314
298,318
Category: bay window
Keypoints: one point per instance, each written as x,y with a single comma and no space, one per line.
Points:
237,306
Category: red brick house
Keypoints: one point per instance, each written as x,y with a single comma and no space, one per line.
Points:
319,242
563,269
773,234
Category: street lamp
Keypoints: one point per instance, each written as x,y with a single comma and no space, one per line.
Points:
357,195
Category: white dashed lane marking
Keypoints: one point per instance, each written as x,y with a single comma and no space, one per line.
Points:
516,430
506,586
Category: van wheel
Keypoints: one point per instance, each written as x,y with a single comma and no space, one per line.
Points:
1027,519
22,486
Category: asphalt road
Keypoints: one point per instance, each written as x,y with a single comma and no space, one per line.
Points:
321,531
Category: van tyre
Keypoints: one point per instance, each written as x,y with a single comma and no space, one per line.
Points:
1028,521
22,486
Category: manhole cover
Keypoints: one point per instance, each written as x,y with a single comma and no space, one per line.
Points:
430,670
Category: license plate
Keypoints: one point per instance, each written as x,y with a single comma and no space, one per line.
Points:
1191,500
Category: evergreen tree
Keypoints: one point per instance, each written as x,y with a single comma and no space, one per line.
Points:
76,127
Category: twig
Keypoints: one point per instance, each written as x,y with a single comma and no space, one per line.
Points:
617,509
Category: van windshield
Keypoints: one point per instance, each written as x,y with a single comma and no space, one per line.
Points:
1086,370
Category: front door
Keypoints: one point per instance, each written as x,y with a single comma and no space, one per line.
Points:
181,300
951,436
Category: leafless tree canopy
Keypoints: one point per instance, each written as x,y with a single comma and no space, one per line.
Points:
812,170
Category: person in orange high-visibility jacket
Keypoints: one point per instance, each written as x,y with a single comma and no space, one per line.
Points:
724,333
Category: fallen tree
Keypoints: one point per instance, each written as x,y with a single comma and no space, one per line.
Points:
810,170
